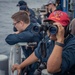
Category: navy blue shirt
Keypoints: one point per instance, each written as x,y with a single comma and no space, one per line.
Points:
33,19
48,49
25,36
32,12
68,55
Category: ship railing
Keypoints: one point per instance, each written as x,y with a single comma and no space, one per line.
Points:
16,56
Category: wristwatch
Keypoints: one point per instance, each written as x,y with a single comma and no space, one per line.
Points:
59,44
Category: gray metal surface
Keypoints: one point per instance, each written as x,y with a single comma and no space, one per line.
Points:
44,72
3,65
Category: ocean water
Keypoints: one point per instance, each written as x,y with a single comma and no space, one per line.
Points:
7,8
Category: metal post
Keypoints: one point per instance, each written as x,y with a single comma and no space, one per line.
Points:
67,2
74,7
64,5
15,57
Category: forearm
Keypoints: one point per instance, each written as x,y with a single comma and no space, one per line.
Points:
55,59
31,59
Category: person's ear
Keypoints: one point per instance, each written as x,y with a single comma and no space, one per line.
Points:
22,23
